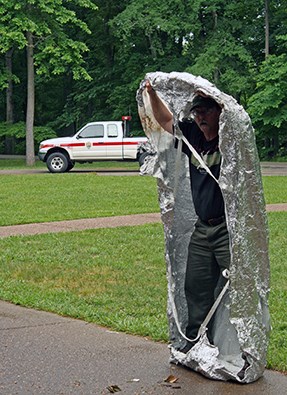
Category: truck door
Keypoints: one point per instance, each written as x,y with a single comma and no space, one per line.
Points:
130,143
93,137
114,141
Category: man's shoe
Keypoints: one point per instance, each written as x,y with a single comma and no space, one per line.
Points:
187,347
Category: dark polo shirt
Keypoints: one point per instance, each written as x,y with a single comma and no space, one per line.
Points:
207,196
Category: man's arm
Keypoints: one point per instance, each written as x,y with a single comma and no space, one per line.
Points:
160,111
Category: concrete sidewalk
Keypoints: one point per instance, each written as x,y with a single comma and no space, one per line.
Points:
42,353
93,223
79,224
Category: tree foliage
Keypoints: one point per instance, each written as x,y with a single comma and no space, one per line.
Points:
40,26
268,105
50,23
89,62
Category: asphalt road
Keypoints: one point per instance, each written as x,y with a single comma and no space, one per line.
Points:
267,169
274,168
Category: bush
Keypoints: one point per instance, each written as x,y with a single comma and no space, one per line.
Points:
17,133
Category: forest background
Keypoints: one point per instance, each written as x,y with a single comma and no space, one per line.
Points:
64,63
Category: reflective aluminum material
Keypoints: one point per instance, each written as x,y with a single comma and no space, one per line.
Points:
241,325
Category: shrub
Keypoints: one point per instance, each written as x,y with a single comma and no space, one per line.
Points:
17,133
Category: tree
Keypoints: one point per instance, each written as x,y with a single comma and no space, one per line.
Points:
9,90
90,100
266,28
43,27
267,106
224,42
9,141
148,36
220,48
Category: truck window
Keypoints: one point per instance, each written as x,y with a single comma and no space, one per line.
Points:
112,130
93,131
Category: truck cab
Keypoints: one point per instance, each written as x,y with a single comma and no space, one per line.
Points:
102,140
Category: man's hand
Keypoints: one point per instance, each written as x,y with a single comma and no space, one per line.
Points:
148,86
160,110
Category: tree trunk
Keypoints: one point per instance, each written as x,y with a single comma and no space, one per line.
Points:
30,150
266,28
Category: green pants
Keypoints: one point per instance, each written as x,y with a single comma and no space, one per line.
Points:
208,256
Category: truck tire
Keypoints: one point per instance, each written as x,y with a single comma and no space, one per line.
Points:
141,158
57,162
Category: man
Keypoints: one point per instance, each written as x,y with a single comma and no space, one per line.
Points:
208,252
210,119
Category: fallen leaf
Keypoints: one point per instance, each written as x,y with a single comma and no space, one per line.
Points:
171,379
113,388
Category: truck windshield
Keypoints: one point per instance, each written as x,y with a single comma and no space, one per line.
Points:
92,131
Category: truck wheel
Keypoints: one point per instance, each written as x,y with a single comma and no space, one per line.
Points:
141,158
57,162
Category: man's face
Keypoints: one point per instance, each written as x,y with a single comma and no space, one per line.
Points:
207,119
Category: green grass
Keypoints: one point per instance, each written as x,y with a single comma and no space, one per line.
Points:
54,197
275,189
116,278
29,198
277,356
113,277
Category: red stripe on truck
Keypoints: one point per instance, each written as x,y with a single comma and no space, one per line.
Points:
47,146
117,143
71,145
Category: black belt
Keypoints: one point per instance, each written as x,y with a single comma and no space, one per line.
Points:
215,221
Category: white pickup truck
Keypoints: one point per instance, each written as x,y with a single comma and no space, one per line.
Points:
108,140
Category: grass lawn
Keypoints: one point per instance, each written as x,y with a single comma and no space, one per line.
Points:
116,278
277,356
113,277
275,189
29,198
54,197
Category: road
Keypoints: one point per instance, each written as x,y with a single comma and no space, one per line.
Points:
267,168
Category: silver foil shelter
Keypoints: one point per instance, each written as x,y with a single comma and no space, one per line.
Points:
241,324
